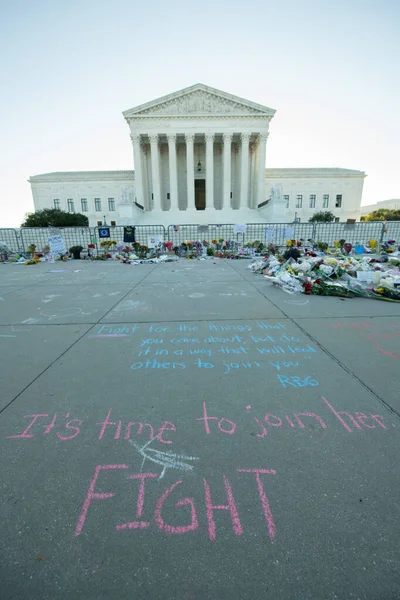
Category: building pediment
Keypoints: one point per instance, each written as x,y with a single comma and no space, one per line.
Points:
199,100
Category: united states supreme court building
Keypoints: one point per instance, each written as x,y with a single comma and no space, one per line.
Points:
200,156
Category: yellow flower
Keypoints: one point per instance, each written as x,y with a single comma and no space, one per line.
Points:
380,290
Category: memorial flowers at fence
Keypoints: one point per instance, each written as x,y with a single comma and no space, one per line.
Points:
326,275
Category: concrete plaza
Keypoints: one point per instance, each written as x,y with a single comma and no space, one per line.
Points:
187,431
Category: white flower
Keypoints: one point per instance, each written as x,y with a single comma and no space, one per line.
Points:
326,269
387,282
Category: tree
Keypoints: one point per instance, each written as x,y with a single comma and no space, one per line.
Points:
54,217
383,214
322,217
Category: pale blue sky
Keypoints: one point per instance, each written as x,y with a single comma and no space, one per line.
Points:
69,69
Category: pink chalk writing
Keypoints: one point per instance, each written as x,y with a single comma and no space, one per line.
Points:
231,428
186,502
166,426
91,495
231,506
264,500
162,506
66,429
25,433
140,503
392,334
338,415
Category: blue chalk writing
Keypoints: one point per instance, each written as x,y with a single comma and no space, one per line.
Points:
151,341
295,350
215,340
267,339
184,327
241,328
112,330
203,365
289,338
157,329
297,382
268,326
274,350
244,365
154,364
184,341
206,351
279,365
239,350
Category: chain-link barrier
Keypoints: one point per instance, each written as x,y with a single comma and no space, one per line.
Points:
279,233
143,233
355,233
11,239
391,231
179,234
18,240
39,236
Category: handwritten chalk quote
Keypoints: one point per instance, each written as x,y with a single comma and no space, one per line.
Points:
143,435
226,347
223,349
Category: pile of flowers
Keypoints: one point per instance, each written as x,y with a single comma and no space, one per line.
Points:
332,275
220,248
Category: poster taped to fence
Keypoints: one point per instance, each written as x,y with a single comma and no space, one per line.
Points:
154,241
57,245
269,233
202,228
289,233
239,228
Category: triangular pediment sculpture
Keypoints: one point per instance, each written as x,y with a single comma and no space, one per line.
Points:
199,100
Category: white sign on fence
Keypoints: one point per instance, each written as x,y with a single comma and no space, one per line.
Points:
154,241
239,228
57,245
289,233
269,233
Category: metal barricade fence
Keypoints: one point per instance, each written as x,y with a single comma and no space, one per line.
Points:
178,234
143,233
73,236
18,240
355,233
279,233
391,231
10,238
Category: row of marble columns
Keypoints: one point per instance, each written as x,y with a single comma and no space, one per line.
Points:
173,173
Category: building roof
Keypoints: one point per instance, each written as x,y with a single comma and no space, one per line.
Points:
315,172
82,176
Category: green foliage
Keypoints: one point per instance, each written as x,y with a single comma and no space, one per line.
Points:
53,217
322,217
383,214
322,246
210,251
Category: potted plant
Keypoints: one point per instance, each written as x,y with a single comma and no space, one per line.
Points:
76,251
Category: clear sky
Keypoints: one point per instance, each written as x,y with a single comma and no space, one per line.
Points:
69,69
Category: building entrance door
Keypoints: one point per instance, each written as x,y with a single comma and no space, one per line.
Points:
200,194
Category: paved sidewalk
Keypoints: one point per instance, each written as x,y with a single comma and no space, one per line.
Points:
187,431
